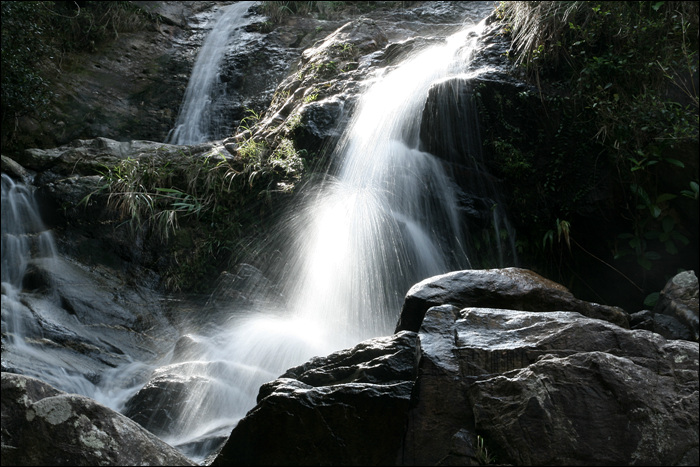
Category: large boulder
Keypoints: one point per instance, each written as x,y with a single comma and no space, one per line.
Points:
509,288
679,299
44,426
525,387
191,403
349,408
560,388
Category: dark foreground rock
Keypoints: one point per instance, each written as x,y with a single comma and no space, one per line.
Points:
348,408
530,388
679,299
44,426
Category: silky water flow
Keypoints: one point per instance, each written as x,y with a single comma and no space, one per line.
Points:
34,316
198,120
386,218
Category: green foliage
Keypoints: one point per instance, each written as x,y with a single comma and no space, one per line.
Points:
654,227
87,27
326,69
563,229
625,73
37,36
482,453
153,192
25,45
545,163
651,300
344,50
207,209
277,11
310,98
267,164
693,192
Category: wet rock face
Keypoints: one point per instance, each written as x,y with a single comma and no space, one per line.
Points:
675,315
510,288
679,300
539,388
368,388
321,88
44,426
132,87
162,404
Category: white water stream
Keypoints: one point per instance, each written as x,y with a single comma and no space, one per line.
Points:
33,314
197,121
24,240
386,220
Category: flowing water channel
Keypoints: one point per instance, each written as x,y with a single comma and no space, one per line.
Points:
386,218
25,241
199,118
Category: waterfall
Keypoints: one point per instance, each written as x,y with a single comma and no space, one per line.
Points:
26,243
35,322
198,120
387,218
29,296
24,235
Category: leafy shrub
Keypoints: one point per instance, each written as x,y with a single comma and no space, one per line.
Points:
620,80
25,45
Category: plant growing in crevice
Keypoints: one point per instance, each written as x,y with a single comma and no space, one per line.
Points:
483,456
311,97
144,192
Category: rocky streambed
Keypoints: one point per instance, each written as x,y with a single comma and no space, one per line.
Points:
487,365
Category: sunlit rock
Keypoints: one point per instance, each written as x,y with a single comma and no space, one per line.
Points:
349,408
510,288
44,426
482,381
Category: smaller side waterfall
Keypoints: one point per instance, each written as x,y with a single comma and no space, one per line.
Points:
50,327
23,233
25,242
197,121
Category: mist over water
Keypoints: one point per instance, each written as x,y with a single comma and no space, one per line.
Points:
384,219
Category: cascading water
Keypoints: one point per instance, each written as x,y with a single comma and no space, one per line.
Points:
390,217
198,120
387,219
25,241
34,317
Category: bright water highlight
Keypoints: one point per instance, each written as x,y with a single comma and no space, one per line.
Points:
386,219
